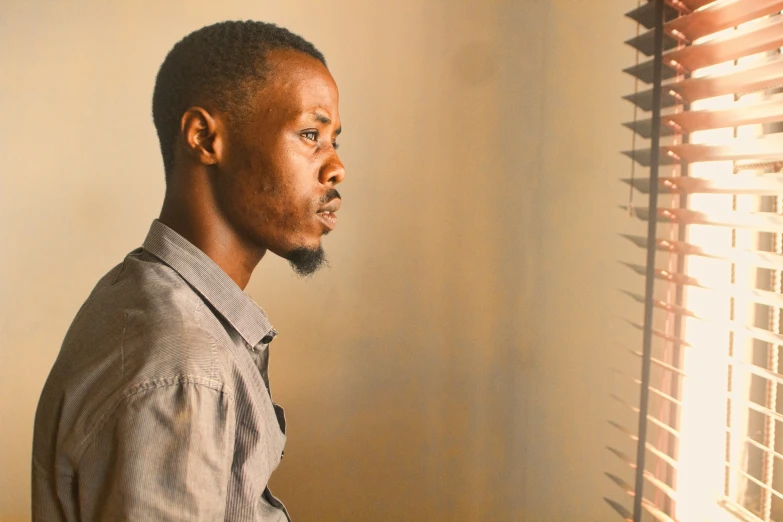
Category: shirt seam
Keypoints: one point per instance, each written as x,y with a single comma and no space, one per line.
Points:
122,345
119,273
153,385
197,314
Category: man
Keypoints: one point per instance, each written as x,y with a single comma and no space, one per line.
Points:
158,406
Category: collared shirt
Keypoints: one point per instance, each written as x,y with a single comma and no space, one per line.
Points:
158,405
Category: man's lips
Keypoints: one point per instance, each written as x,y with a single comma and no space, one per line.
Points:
327,213
332,206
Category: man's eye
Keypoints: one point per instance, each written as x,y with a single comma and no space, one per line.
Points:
310,135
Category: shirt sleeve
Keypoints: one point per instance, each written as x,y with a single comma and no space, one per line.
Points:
164,453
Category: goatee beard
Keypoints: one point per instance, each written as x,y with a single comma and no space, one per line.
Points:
307,261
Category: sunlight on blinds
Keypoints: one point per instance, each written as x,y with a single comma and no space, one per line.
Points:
713,449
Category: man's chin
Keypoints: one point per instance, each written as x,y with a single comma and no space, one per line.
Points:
307,261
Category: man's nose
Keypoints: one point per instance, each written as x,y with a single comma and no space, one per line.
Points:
333,171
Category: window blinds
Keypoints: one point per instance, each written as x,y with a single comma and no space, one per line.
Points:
709,438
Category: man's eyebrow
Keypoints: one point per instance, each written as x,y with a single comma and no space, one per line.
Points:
322,118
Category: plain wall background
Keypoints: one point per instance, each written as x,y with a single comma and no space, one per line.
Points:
454,363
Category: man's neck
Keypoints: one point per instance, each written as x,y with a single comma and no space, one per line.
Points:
193,213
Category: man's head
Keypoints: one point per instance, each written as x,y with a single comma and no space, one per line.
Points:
251,110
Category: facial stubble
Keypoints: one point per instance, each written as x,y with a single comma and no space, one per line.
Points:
307,261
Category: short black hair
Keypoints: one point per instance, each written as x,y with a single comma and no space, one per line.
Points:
217,62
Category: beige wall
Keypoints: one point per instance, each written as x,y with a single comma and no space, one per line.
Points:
453,364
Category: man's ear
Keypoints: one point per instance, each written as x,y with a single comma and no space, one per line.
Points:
201,135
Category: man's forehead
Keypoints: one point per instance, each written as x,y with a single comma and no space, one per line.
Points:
300,101
296,76
288,67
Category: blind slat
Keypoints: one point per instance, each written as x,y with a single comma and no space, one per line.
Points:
691,5
751,331
756,258
656,512
754,480
644,14
619,509
620,482
766,111
664,395
763,447
746,41
662,305
625,459
754,295
652,449
755,370
764,185
719,16
650,418
716,17
665,366
662,335
756,333
754,77
645,42
665,275
760,221
749,153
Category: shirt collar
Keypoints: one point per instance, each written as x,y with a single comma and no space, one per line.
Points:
238,308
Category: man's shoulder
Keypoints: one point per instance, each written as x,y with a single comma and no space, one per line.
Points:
144,283
149,317
141,328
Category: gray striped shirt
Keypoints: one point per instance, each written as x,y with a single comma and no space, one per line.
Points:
158,405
